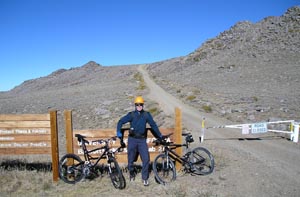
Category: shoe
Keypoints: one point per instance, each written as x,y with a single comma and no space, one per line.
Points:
146,182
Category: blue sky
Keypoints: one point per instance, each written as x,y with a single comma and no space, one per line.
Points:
38,37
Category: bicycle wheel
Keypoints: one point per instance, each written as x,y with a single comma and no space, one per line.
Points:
116,174
202,161
70,168
164,169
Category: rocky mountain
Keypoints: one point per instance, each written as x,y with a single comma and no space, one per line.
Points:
97,95
247,73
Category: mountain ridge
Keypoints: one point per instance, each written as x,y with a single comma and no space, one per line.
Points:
246,73
262,57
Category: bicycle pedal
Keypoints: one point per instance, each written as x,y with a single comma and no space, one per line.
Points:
132,178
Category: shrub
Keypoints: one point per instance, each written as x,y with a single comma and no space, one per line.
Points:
255,99
154,111
207,108
191,97
141,86
139,78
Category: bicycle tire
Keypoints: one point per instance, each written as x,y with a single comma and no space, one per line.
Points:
116,175
71,168
164,169
202,161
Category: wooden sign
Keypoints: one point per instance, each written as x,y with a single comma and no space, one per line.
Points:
93,135
30,134
73,145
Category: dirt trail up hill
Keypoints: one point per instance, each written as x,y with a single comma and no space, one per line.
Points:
246,165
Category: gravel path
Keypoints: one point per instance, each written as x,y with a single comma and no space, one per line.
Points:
246,165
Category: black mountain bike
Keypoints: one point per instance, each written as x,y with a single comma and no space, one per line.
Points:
198,161
72,169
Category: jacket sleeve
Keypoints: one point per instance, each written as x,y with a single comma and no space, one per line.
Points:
153,126
125,119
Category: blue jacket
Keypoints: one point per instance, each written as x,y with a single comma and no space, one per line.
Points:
138,121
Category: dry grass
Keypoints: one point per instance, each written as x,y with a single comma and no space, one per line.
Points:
33,183
20,183
140,80
16,182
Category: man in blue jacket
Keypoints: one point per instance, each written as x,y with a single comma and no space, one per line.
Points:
137,137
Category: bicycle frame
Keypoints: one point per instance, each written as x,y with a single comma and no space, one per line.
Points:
168,151
72,168
87,153
196,161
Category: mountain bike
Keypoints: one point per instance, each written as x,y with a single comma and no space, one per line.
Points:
198,161
72,168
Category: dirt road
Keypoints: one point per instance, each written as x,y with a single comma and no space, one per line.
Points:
246,165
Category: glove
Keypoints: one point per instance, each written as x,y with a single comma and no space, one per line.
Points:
123,145
161,140
158,141
119,135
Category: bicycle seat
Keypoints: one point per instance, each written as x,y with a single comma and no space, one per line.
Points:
81,138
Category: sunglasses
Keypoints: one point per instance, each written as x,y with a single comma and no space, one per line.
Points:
139,104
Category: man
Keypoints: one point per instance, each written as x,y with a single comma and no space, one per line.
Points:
137,137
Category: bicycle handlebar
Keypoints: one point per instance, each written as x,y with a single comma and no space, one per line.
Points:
163,141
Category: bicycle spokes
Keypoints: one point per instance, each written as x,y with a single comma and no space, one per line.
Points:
202,161
70,168
116,174
198,161
164,169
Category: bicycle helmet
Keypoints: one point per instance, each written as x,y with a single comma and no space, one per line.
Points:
139,99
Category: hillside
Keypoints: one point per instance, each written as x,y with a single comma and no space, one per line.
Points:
98,96
247,73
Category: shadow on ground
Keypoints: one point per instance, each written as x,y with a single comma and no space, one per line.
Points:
23,165
250,138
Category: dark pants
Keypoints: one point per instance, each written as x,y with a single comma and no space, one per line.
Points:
138,146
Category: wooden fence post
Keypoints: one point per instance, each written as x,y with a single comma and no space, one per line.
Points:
54,144
178,133
69,130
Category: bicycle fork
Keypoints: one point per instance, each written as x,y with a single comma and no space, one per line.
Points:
166,165
108,164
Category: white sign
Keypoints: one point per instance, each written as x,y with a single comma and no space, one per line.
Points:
259,128
245,129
